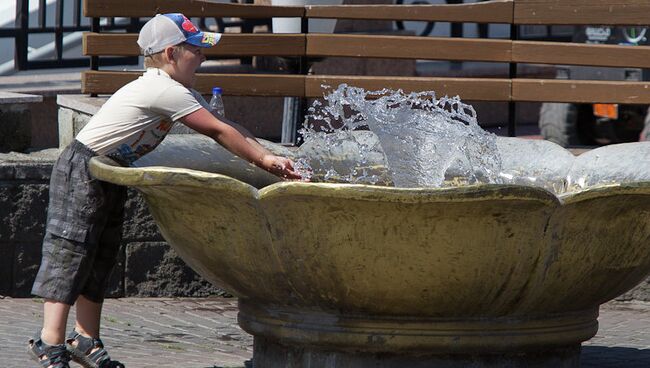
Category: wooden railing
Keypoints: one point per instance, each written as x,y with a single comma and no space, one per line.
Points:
308,45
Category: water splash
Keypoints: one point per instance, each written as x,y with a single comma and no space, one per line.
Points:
424,141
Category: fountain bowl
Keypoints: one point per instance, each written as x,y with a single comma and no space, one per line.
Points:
349,275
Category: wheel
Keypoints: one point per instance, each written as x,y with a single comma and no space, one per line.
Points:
427,28
645,133
558,123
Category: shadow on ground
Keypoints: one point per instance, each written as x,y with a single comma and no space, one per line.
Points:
591,357
610,357
247,364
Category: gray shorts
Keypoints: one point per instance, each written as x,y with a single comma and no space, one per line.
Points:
83,231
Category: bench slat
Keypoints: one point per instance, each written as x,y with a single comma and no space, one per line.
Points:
543,90
499,11
231,44
470,89
586,12
581,54
105,82
235,44
191,8
401,47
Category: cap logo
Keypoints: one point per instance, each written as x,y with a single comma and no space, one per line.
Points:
209,38
188,26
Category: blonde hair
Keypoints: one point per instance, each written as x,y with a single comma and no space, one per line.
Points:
154,61
157,60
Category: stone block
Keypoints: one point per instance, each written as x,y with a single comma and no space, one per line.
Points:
23,211
66,135
27,259
154,269
15,128
138,222
45,132
34,171
6,267
7,171
12,170
70,124
6,196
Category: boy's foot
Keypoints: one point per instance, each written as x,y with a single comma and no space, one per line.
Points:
48,356
89,352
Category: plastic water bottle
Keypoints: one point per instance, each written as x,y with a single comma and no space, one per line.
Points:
216,102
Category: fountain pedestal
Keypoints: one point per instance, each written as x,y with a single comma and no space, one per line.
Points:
300,338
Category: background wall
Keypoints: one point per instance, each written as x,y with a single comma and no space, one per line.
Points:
147,266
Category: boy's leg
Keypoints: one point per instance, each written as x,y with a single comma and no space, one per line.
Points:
55,318
88,317
62,272
89,303
48,347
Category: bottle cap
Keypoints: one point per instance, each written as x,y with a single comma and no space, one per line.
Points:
216,90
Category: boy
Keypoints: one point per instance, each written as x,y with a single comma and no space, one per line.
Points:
84,222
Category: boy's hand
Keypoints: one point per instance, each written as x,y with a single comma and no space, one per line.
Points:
280,166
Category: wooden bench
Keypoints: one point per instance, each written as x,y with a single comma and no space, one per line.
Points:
307,46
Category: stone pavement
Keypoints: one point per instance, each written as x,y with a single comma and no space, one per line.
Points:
203,333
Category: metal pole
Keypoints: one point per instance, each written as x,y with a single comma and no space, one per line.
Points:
58,30
512,110
77,13
295,108
304,70
20,42
456,30
42,13
94,60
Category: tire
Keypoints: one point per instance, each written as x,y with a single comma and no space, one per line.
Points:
645,133
558,123
429,26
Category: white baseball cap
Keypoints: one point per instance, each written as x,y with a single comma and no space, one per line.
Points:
171,29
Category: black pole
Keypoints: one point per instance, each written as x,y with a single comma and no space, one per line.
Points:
58,30
512,109
303,65
456,30
20,42
42,13
94,60
77,13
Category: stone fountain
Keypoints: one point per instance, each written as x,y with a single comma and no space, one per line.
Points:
503,274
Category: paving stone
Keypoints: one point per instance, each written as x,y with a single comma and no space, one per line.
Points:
203,333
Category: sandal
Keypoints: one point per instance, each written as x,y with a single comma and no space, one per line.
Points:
82,353
56,356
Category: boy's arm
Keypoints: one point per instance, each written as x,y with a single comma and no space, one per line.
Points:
243,145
